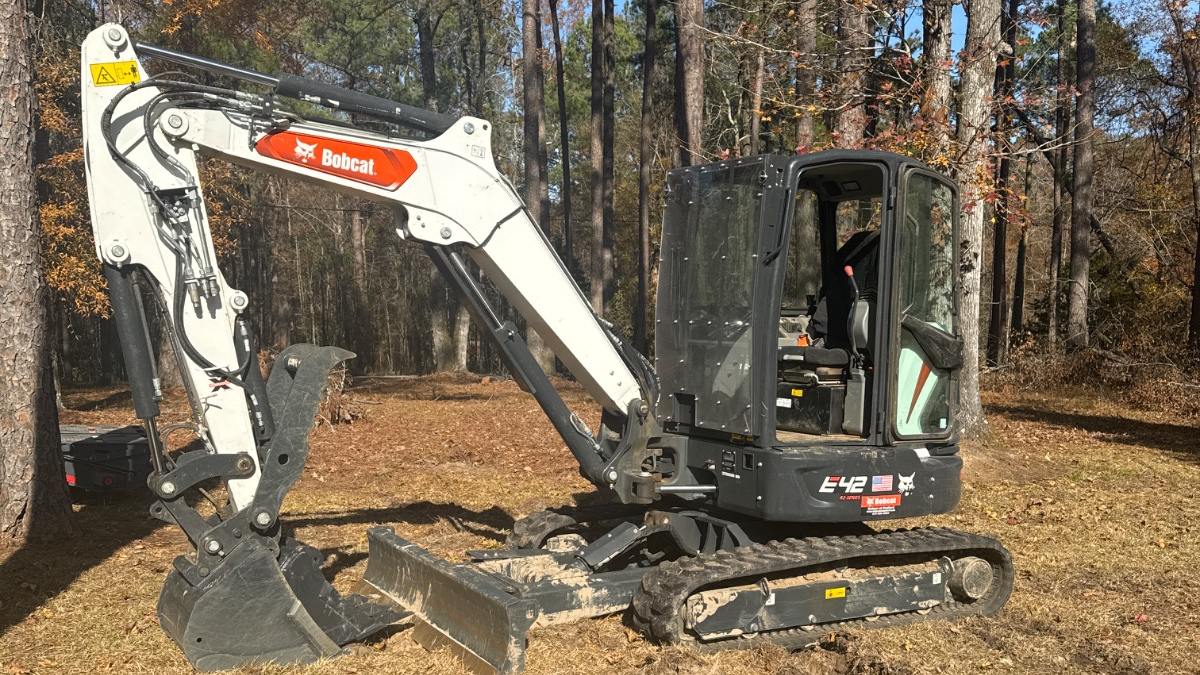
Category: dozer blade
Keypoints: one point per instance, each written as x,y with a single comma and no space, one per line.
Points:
253,609
456,606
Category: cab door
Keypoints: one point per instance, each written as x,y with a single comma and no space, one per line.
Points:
928,354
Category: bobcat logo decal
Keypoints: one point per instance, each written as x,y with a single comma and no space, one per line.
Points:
906,483
305,151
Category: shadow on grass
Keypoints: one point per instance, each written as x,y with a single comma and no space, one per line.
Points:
36,572
117,399
1177,439
491,523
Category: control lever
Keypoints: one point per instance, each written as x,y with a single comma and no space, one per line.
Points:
850,317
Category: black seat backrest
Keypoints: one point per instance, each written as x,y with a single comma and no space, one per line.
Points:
861,253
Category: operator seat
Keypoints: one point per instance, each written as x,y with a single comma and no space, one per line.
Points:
861,253
828,326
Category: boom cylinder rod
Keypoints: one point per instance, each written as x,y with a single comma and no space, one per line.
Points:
319,93
203,63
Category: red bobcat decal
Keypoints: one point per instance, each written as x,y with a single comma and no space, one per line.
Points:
382,167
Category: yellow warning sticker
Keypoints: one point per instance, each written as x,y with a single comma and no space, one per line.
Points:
831,593
111,74
797,393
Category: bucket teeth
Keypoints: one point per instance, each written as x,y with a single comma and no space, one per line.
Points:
456,606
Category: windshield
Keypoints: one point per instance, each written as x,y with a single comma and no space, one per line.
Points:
703,336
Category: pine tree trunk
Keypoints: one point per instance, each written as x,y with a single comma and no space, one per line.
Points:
462,338
646,157
1062,121
756,102
564,141
806,72
1018,303
850,118
536,196
596,268
689,80
935,105
997,342
978,70
34,502
1188,57
609,248
1081,212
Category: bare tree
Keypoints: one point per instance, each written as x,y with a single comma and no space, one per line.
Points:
850,116
608,240
596,268
536,197
34,503
978,69
935,44
441,305
689,80
564,139
1189,61
1081,212
646,157
806,72
997,340
1062,123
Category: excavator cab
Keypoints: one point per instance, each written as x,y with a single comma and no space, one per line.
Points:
810,302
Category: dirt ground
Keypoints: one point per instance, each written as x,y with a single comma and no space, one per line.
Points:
1097,503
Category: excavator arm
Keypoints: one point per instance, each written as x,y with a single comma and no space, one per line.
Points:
248,593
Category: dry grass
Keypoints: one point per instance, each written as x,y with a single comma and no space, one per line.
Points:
1094,500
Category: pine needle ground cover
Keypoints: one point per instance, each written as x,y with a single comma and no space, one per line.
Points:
1095,501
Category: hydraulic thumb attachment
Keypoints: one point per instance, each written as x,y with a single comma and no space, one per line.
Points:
250,596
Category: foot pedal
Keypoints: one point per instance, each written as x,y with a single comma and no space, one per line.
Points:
457,606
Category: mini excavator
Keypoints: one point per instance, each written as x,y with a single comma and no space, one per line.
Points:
804,387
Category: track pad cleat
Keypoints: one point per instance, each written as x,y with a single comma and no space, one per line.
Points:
253,609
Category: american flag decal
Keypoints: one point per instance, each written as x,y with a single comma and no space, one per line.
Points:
881,483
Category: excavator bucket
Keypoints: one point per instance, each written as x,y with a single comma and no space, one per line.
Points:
255,609
455,606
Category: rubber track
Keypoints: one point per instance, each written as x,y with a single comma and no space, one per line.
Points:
533,530
665,589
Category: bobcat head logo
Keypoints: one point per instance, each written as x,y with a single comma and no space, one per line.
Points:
305,151
906,483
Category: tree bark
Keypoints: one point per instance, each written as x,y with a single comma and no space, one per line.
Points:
850,117
596,268
978,70
1062,122
358,249
646,157
536,191
564,140
1081,212
426,29
935,105
1018,302
756,102
34,501
609,240
806,72
997,342
689,80
1187,54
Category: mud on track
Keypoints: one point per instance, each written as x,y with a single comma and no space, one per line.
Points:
1096,503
